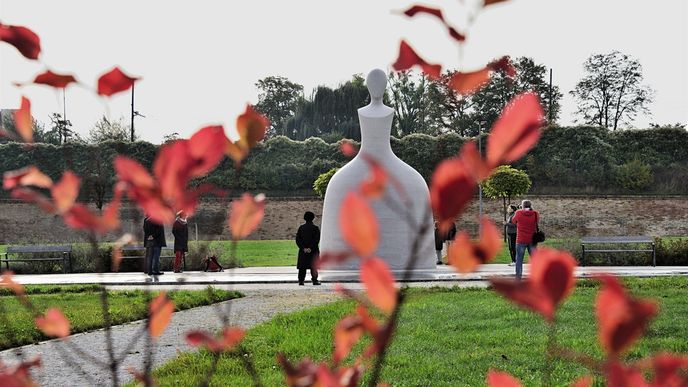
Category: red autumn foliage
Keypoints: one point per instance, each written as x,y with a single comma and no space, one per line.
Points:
465,256
408,58
516,130
373,187
114,81
53,323
27,176
584,381
251,127
379,284
347,333
81,218
348,149
230,337
50,78
65,191
419,9
501,379
23,120
358,225
18,376
160,313
245,215
8,282
23,39
451,189
551,281
332,258
470,82
307,373
621,318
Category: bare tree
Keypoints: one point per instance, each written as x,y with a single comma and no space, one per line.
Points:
612,92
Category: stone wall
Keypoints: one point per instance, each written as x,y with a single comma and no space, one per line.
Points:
560,217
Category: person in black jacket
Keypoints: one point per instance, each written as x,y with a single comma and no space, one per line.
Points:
307,239
180,230
154,237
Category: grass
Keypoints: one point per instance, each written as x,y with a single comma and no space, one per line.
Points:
449,337
259,253
81,305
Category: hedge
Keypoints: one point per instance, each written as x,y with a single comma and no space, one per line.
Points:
566,160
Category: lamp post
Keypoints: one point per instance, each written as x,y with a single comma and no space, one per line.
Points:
134,113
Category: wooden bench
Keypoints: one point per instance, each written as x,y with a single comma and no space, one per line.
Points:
141,250
621,240
21,254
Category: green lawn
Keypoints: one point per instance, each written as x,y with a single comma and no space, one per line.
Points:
450,337
81,305
259,253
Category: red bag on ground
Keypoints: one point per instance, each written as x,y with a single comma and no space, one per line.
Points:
211,264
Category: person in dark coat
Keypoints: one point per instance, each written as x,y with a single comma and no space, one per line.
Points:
154,237
510,232
307,239
439,242
180,230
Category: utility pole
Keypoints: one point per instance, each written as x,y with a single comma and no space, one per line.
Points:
132,112
549,115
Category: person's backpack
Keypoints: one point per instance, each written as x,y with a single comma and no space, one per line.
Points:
211,264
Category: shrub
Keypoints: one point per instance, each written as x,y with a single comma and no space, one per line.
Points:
320,184
672,251
634,175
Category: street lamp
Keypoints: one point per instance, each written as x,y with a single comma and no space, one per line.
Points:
134,113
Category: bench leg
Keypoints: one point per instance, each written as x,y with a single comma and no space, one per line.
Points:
654,257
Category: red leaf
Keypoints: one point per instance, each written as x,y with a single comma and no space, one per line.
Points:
251,127
670,369
525,294
329,258
31,196
584,381
19,376
347,148
27,176
619,375
171,169
374,186
133,173
358,224
301,375
379,284
416,9
50,78
25,40
8,282
501,379
451,189
553,271
490,2
235,152
231,336
126,239
114,81
246,215
160,309
81,218
53,323
466,256
469,83
207,148
621,319
408,58
347,332
503,64
473,161
516,130
23,120
65,191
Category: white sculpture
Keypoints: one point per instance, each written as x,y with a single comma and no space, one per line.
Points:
396,234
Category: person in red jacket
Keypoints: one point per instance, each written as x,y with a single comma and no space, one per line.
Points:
526,221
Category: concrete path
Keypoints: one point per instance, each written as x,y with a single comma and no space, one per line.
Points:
287,275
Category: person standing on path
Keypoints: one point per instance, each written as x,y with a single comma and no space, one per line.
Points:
439,242
526,221
180,230
154,237
510,233
307,239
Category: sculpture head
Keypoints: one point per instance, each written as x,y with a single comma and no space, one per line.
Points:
377,83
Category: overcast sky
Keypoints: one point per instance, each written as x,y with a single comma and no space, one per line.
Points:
199,60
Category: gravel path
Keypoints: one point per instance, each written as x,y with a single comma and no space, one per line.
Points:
60,370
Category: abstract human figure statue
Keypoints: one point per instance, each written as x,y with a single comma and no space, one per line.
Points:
397,235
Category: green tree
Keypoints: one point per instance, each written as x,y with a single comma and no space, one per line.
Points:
105,130
634,175
611,93
448,110
61,129
489,101
410,97
506,182
278,99
320,184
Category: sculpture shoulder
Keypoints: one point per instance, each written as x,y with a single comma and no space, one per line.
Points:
377,111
